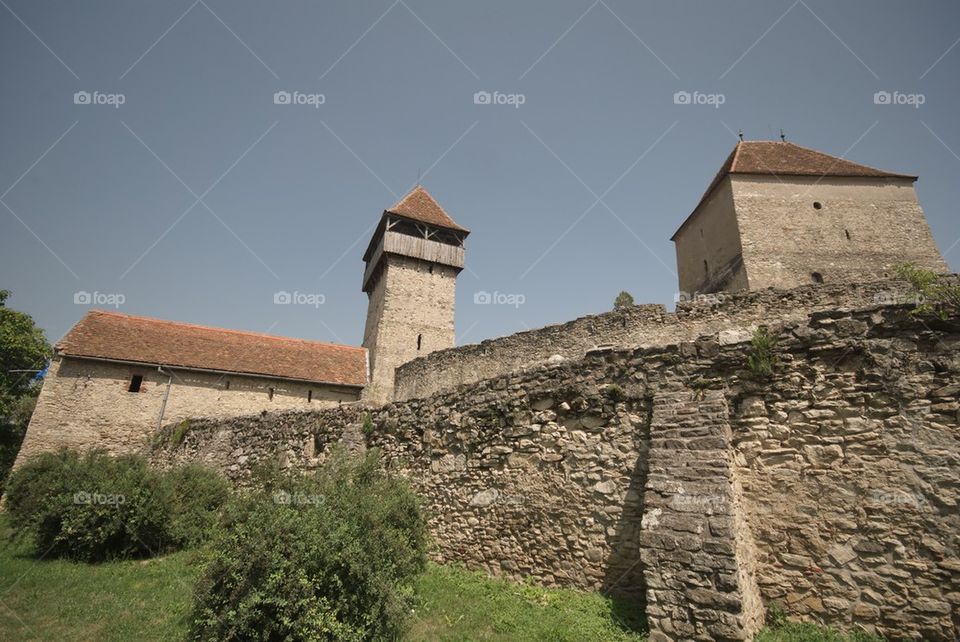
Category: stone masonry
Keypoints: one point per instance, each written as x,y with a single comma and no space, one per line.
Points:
670,476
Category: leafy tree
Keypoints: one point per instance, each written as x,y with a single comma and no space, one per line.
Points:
623,300
23,351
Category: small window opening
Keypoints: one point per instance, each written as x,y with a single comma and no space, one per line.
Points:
430,269
706,268
847,234
817,205
135,382
701,232
270,393
816,277
318,445
419,341
309,396
226,385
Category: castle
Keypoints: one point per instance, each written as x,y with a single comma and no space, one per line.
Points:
625,451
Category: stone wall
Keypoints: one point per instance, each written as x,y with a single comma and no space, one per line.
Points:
670,476
862,229
86,403
646,325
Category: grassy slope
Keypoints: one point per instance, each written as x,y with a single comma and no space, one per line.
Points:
149,600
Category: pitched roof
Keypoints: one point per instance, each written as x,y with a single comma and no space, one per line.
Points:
418,205
122,337
782,158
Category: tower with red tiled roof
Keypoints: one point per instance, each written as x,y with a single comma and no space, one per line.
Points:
412,263
781,215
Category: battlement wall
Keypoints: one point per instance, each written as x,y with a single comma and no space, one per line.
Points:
733,315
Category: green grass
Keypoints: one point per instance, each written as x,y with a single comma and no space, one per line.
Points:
150,600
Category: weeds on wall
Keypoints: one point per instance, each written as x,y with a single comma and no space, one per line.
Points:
933,295
761,360
368,426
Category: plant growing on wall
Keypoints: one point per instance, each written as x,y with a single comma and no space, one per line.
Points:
368,426
933,296
761,359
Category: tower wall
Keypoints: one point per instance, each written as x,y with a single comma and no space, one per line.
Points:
862,230
709,255
409,315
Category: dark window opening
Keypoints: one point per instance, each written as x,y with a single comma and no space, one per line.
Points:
706,268
430,269
817,205
847,233
701,232
309,396
419,341
318,445
226,385
270,393
135,382
816,277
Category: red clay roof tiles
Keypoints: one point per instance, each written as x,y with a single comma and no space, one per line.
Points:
122,337
418,205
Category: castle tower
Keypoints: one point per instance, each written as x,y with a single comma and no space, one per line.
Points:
410,279
780,215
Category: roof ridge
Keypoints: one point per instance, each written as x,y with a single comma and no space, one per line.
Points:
217,329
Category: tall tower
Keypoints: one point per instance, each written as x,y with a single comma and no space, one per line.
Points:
781,215
410,279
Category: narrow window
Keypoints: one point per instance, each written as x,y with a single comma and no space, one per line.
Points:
816,277
318,445
706,268
431,269
226,385
817,205
270,393
309,396
419,341
135,383
701,232
847,233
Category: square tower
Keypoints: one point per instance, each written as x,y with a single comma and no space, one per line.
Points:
781,215
410,279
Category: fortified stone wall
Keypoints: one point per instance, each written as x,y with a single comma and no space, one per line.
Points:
645,325
86,403
671,474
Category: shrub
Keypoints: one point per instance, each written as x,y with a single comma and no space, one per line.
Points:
934,296
95,507
761,359
328,557
197,496
89,507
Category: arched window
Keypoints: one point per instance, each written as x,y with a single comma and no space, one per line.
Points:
816,277
817,205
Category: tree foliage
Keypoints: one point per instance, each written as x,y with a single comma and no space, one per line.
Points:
623,300
23,352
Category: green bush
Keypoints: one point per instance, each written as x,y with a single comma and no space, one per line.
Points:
95,507
197,496
327,557
761,359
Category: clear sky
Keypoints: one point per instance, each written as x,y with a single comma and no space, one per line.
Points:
199,197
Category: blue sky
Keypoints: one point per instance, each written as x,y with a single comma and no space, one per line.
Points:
198,198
